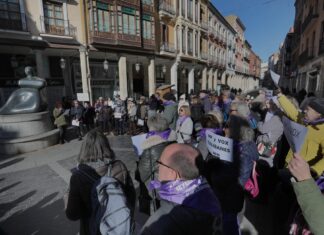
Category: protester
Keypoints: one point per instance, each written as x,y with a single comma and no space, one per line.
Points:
205,101
182,101
313,147
131,112
60,120
309,195
196,109
76,114
93,160
119,116
142,114
170,110
89,115
243,110
153,104
188,205
184,125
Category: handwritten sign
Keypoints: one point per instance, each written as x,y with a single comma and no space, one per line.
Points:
83,96
275,77
219,146
137,141
269,94
295,134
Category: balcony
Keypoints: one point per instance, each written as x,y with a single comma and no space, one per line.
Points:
303,57
309,19
166,8
149,44
13,24
321,47
148,5
131,2
58,27
167,47
211,32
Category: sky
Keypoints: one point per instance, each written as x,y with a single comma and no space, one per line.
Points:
267,21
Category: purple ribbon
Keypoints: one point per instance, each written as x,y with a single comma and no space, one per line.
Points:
320,183
176,191
163,134
217,131
314,123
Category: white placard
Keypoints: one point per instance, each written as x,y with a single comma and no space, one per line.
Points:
83,97
219,146
75,123
295,134
140,122
117,115
269,94
275,77
137,143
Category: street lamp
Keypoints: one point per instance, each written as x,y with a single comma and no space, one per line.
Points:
62,63
105,65
14,62
137,67
164,69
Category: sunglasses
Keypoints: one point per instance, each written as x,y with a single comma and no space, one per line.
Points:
161,163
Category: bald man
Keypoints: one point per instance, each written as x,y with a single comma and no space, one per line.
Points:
188,205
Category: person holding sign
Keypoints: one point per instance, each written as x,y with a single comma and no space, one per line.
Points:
313,118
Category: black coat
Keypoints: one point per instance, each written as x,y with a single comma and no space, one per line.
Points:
197,111
89,115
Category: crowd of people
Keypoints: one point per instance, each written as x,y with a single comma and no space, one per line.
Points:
184,188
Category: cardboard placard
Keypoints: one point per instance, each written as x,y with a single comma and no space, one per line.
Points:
219,146
295,134
83,97
137,141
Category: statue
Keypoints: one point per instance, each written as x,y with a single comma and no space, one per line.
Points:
27,99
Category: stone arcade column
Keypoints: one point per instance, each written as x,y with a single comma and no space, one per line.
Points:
174,75
204,79
84,71
151,76
122,71
210,79
191,80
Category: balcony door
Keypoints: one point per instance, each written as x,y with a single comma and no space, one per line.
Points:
54,18
10,16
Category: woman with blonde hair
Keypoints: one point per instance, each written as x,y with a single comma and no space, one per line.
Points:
184,126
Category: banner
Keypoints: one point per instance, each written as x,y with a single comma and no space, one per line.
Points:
137,141
219,146
295,134
275,77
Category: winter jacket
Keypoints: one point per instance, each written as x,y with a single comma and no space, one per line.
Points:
170,113
60,119
141,111
153,147
89,115
174,219
76,113
311,202
270,130
313,147
105,114
184,130
207,104
197,111
79,200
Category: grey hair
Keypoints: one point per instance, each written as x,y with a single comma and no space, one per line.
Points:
157,123
95,147
219,116
240,129
242,108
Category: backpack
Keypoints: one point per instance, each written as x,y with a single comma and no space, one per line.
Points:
111,213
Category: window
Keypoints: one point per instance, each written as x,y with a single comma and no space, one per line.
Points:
53,13
183,10
148,27
190,6
322,32
10,16
147,2
129,24
313,44
190,44
105,17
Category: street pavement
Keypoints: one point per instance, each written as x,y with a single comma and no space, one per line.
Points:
32,186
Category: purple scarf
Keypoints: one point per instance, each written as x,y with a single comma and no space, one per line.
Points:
176,191
163,134
217,131
181,120
320,183
194,193
168,102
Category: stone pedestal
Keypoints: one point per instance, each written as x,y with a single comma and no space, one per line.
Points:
22,133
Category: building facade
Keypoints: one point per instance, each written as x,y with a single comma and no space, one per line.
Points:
130,47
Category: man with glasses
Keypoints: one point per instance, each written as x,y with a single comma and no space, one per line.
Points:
188,204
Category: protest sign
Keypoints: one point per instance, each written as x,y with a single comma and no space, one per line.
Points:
83,96
137,141
268,94
219,146
275,77
295,134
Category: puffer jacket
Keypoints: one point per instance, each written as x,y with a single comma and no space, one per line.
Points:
313,147
60,119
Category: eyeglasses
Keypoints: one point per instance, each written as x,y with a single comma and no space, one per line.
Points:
161,163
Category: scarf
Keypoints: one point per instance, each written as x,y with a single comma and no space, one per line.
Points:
194,193
163,134
181,120
176,191
217,131
168,102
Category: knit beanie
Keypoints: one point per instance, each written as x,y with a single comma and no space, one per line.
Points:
317,104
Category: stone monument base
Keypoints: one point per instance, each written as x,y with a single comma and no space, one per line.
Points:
22,133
